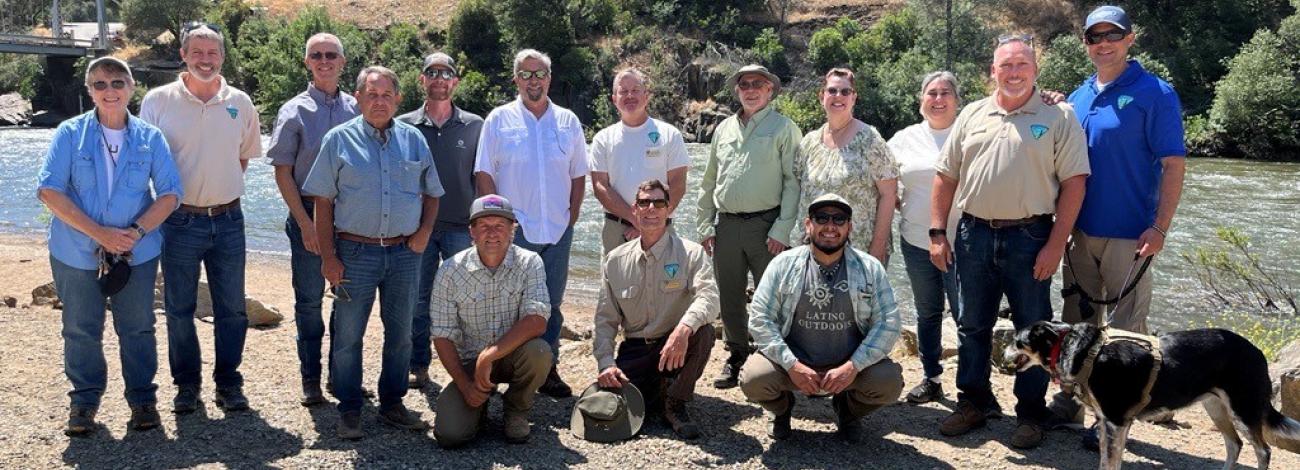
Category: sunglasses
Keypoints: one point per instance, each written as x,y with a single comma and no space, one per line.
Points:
646,203
840,91
318,55
746,85
103,85
531,74
1006,38
445,74
822,218
1109,36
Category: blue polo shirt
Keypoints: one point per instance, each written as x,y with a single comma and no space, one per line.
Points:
1131,124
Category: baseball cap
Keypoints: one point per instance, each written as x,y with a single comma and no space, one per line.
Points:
830,200
1108,14
608,414
491,204
438,58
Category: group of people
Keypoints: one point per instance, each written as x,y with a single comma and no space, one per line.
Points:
463,226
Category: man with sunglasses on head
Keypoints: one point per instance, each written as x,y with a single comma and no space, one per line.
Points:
633,150
824,321
659,289
213,131
534,153
1014,168
295,141
452,134
749,201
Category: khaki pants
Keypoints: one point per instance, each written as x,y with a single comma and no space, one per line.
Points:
1100,265
739,251
524,371
765,382
639,360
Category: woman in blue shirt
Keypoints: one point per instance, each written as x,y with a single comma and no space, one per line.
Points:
96,181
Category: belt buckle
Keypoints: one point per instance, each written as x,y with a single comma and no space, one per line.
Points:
209,210
995,224
381,242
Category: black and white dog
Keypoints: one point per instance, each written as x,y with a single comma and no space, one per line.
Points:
1218,368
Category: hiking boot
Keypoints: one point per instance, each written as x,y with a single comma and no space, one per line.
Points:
676,415
963,420
231,399
1028,435
730,376
311,394
1063,412
398,417
144,417
81,421
419,378
781,422
187,399
927,391
350,425
517,427
849,427
554,387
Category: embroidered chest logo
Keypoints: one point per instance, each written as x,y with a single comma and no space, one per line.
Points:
654,137
234,112
1124,100
1038,130
460,143
671,270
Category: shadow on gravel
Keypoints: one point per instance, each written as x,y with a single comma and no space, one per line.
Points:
817,449
1078,458
240,440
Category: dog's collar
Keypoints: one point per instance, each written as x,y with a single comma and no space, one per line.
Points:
1055,357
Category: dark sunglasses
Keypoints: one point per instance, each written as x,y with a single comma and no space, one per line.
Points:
103,85
1025,38
822,218
444,74
193,25
658,203
330,55
840,91
531,74
1109,36
752,84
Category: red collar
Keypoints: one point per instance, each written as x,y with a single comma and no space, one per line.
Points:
1055,357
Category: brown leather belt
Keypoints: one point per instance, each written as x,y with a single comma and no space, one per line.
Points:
1005,223
615,218
390,241
750,215
210,211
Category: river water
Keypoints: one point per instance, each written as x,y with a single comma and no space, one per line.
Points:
1260,198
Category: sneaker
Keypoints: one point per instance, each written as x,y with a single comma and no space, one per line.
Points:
554,386
730,376
144,417
517,427
398,417
781,422
311,394
231,399
1027,435
1063,412
187,399
350,426
81,421
966,417
419,378
676,415
1089,438
927,391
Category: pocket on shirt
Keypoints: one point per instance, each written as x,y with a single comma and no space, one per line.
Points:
514,143
556,142
137,175
83,174
408,178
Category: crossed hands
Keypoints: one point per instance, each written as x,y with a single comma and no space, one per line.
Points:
833,381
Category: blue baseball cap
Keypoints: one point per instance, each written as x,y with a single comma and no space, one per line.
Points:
1108,14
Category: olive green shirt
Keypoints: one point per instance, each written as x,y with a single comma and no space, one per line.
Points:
750,168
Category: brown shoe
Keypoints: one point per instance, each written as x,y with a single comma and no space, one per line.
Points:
81,421
311,394
965,418
398,416
1027,435
676,415
517,427
350,426
144,417
419,378
554,386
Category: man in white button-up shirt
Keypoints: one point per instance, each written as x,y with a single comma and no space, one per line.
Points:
534,153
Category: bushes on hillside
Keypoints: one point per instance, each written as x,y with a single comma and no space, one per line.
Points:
20,73
1256,108
146,19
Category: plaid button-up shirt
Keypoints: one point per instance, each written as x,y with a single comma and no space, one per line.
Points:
473,306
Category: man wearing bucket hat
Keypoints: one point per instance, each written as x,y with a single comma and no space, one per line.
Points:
824,321
659,289
608,414
488,310
749,201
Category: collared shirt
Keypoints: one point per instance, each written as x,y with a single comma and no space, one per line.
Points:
453,146
207,140
917,149
1131,124
1010,165
302,123
649,293
533,162
377,181
750,168
875,313
474,306
632,155
74,166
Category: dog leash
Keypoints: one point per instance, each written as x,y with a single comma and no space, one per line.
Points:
1085,301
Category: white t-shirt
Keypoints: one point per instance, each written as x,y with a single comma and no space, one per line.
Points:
632,155
917,150
111,146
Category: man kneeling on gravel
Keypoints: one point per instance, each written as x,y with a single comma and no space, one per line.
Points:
488,309
823,320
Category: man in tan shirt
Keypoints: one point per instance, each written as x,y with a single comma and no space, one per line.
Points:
659,289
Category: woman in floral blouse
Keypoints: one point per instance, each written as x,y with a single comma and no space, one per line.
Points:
848,157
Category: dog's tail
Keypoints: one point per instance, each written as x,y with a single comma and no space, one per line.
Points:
1282,432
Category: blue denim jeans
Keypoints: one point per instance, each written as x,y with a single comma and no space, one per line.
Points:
930,287
555,257
393,272
83,333
992,262
443,244
218,243
308,290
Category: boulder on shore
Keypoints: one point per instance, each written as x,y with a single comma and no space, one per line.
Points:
260,314
14,110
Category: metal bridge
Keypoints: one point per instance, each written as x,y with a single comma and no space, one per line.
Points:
62,42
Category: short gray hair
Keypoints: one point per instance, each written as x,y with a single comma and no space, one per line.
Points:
112,66
526,54
381,70
322,37
631,72
942,75
204,32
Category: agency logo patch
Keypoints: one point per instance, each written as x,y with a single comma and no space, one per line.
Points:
1038,130
654,137
1124,100
671,270
234,112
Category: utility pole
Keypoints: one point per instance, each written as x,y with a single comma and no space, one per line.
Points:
56,22
103,27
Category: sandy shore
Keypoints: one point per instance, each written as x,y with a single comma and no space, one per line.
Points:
280,433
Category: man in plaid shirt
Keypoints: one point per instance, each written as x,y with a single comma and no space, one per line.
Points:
489,308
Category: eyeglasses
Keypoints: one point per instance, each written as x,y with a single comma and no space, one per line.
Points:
329,55
746,85
847,91
445,74
822,218
103,85
530,74
646,203
193,25
1025,38
1113,35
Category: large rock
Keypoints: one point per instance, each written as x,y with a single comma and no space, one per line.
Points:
14,110
259,314
45,295
948,338
1290,393
1004,333
1288,359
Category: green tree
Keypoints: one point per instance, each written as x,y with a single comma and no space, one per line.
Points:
771,53
1257,104
403,52
146,19
20,73
475,33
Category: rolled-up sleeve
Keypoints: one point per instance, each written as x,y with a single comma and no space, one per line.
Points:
56,171
704,306
166,178
885,323
443,319
536,300
322,180
764,315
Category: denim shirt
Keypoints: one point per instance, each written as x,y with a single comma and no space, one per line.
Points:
74,166
874,311
377,184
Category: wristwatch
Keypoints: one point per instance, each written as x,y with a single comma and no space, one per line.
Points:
938,232
138,229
